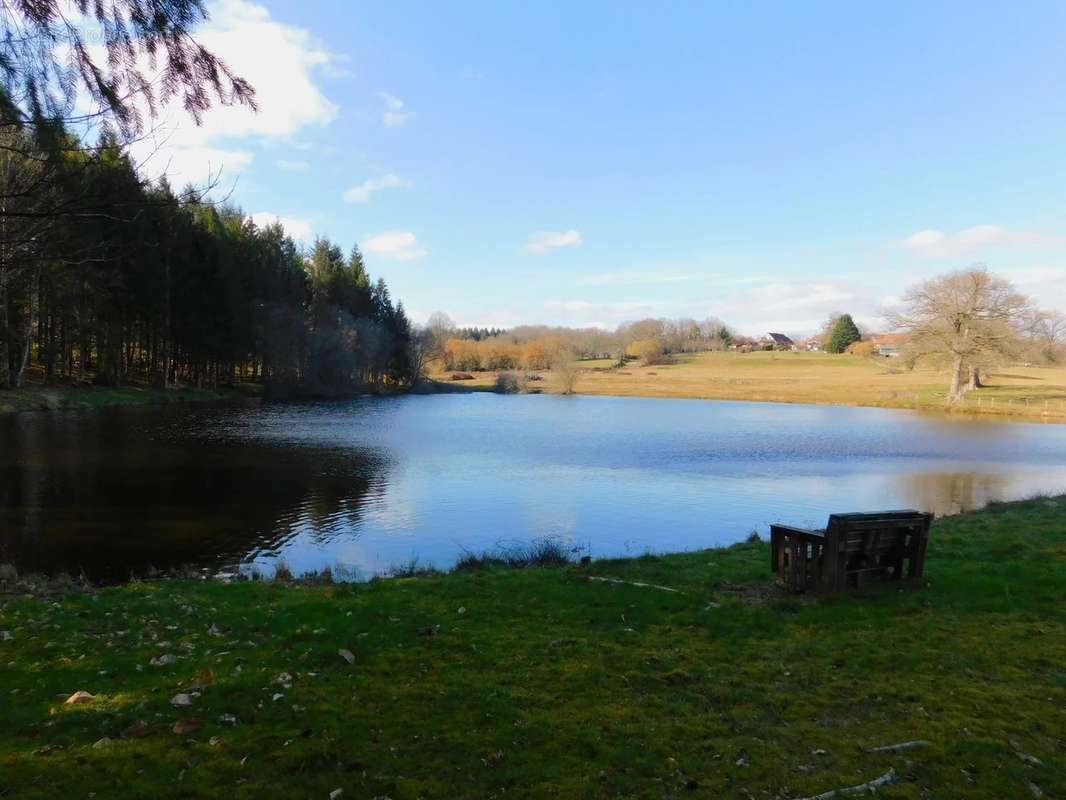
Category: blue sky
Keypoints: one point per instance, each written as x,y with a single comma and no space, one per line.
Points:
587,163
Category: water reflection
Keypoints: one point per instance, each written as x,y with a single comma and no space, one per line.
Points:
952,492
374,482
121,491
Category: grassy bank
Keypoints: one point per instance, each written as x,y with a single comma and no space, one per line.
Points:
38,398
546,683
1036,393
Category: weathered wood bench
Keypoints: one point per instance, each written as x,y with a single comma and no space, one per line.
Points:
851,549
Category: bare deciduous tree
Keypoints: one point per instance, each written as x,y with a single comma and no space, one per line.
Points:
967,319
1047,333
566,370
439,328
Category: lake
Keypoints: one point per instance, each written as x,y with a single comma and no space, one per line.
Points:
374,482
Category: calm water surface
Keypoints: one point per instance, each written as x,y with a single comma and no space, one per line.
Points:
371,483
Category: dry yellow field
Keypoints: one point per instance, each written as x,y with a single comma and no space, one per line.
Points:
1034,392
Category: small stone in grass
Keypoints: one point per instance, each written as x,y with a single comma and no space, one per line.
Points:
347,655
184,726
227,719
181,700
165,660
336,794
78,697
136,730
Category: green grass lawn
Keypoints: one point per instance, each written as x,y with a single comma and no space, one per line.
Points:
544,683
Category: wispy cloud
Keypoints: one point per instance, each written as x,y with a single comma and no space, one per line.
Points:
543,242
395,245
932,243
799,307
297,228
363,192
395,110
646,278
595,314
1045,284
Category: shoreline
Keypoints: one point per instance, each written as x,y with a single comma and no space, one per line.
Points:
36,399
992,415
1034,394
675,673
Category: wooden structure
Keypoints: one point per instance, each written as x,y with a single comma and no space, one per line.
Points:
851,549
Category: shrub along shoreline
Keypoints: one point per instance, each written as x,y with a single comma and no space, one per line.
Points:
674,675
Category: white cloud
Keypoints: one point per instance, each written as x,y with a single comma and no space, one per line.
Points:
362,192
292,166
1046,285
279,60
1027,276
647,278
397,245
797,307
600,315
395,114
542,242
932,243
299,229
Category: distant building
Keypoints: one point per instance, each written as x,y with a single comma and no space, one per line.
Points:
779,341
889,345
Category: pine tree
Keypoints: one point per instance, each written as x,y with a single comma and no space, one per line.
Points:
844,334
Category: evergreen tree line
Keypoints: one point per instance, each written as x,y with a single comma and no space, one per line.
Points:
109,278
478,334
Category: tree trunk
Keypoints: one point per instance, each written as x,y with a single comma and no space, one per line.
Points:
958,381
83,334
164,377
5,332
20,332
975,379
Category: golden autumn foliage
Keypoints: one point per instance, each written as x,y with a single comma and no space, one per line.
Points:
492,354
863,349
648,351
539,353
461,354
